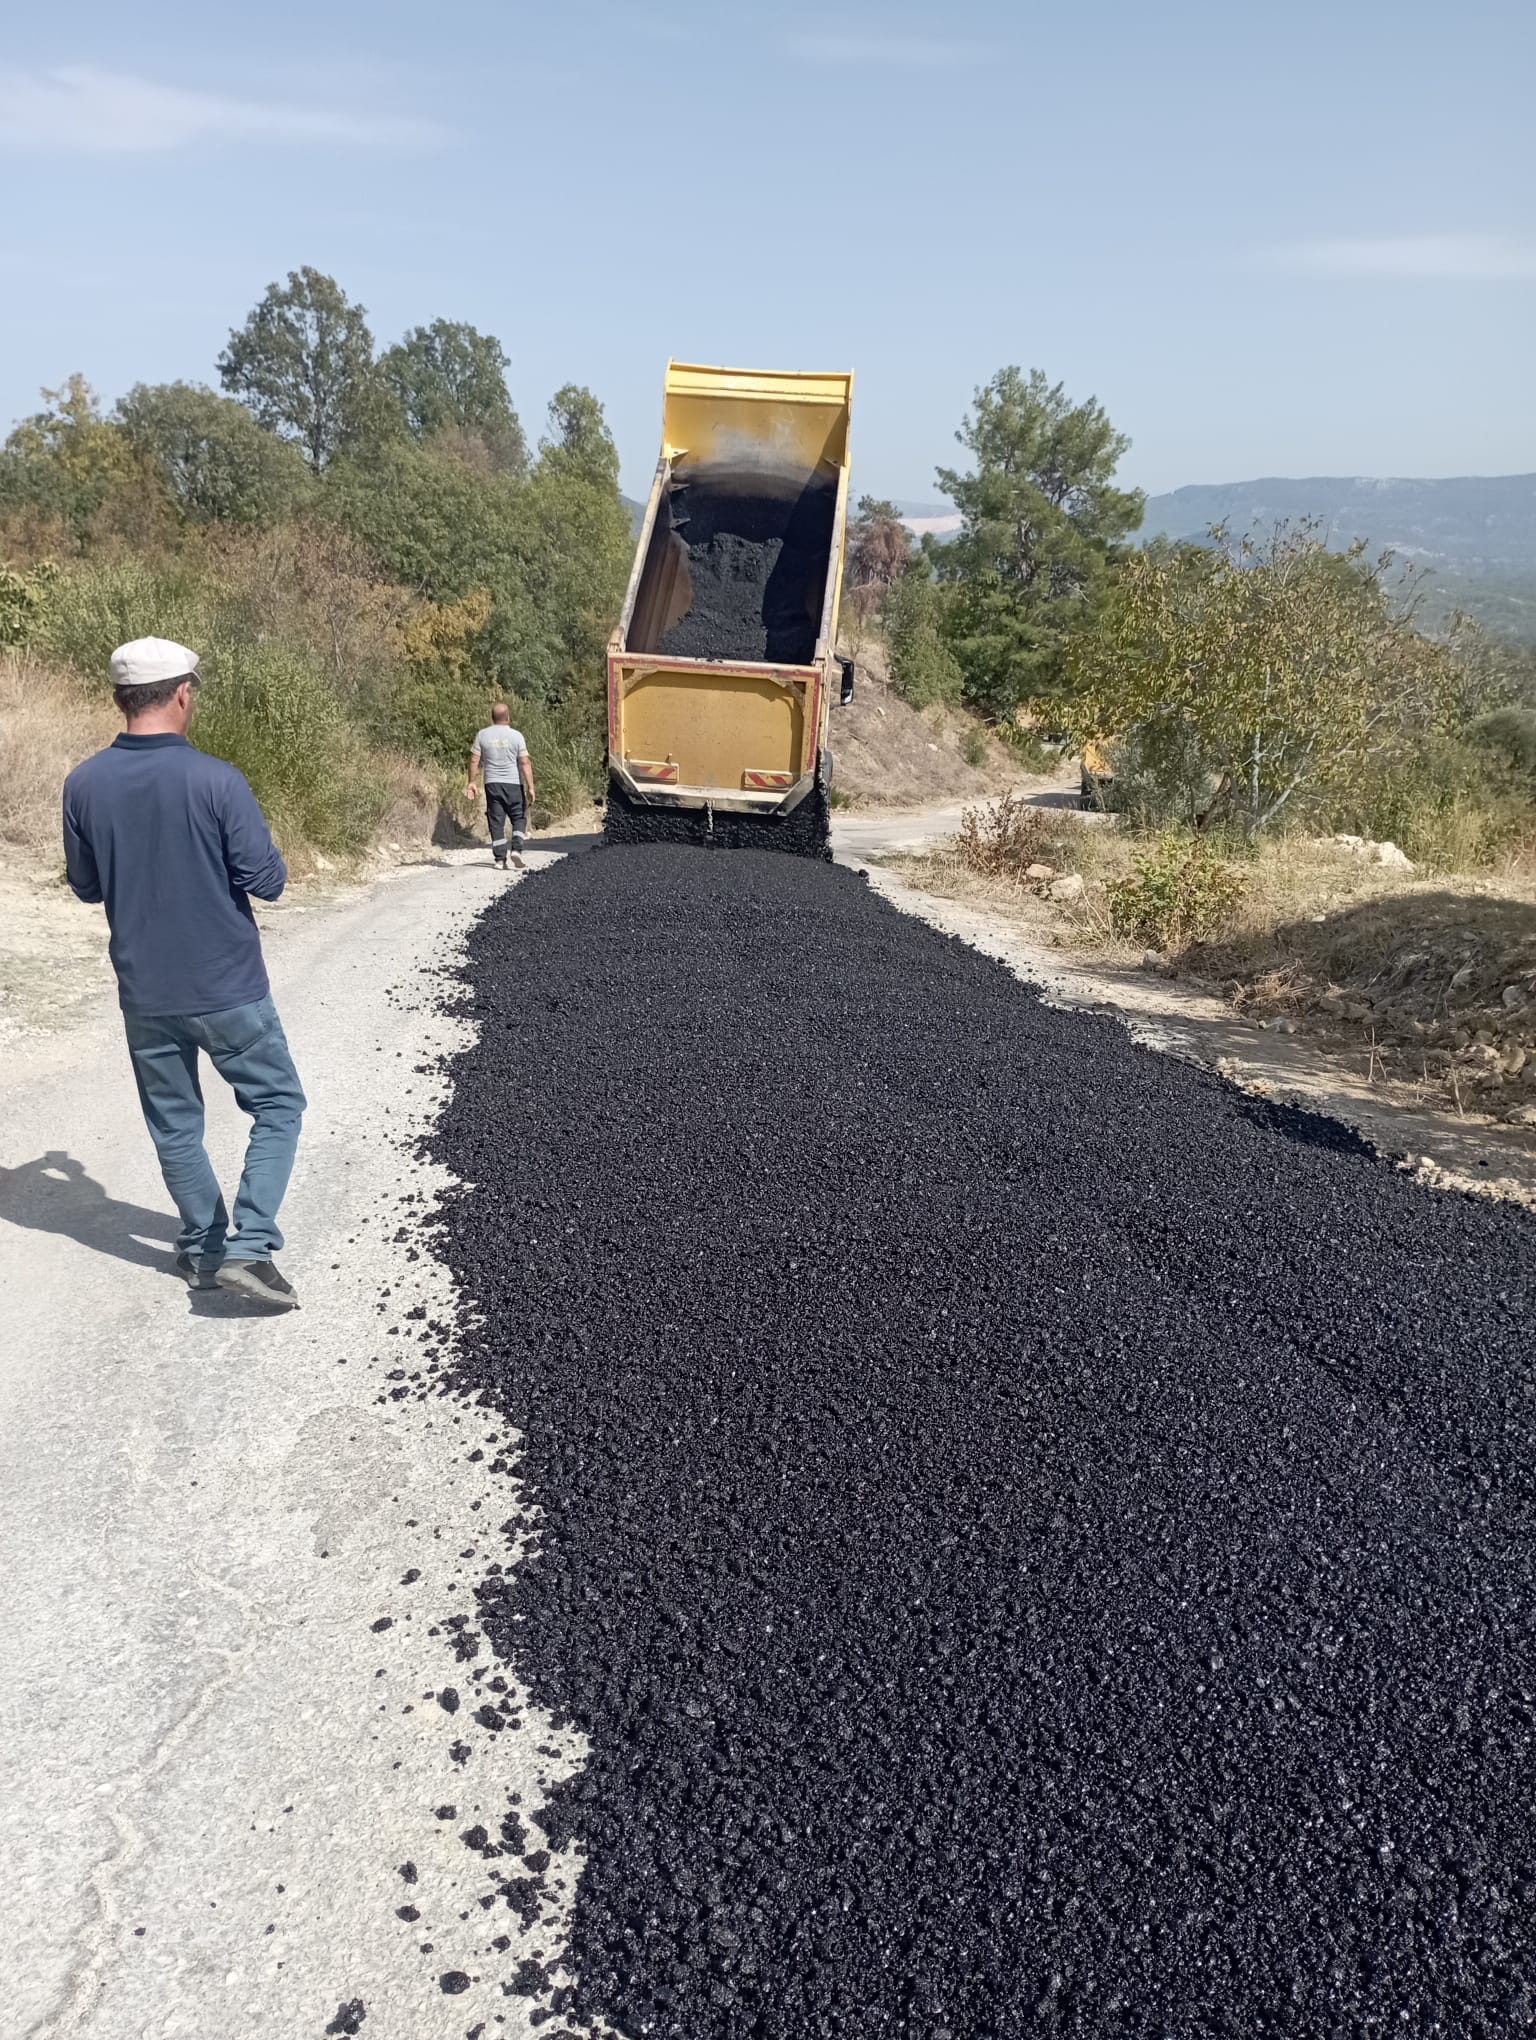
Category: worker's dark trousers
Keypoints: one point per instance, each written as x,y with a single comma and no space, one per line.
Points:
506,813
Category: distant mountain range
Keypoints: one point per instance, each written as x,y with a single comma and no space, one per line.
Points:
1476,534
1478,525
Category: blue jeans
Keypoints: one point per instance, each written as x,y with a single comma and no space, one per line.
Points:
249,1050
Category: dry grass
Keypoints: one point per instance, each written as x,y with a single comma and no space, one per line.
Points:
48,723
1428,983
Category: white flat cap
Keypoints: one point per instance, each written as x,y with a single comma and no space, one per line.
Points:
151,659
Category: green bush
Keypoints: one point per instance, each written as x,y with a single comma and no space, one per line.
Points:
270,711
923,669
269,708
90,610
1160,777
973,745
24,604
1181,890
1448,804
568,769
437,716
1508,735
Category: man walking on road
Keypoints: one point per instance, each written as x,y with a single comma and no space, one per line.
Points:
173,844
502,754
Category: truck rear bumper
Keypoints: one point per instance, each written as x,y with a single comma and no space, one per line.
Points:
725,799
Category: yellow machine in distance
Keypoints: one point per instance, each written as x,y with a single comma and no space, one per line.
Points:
722,668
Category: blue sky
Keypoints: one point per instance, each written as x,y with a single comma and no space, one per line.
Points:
1271,241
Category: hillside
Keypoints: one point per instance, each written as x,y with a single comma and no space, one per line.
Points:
889,754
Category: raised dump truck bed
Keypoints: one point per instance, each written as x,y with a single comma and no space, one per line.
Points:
721,670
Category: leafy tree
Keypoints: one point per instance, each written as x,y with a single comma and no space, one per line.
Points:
923,668
578,442
432,523
303,364
449,380
574,547
1269,670
879,552
214,459
76,467
1043,523
551,553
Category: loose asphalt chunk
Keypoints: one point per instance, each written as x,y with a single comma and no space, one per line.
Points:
1039,1542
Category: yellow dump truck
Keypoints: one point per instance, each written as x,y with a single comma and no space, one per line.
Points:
722,668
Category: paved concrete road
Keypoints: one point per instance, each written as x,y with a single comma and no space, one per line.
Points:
212,1759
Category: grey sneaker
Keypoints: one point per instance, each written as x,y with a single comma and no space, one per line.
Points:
259,1281
516,861
192,1275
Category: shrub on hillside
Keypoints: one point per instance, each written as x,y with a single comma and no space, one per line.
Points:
1180,890
269,710
93,608
1452,805
1508,735
923,669
23,604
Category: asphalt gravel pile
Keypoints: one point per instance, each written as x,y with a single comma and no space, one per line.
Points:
733,612
1039,1542
757,567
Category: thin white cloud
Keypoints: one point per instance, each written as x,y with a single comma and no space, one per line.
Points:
892,52
75,110
1461,258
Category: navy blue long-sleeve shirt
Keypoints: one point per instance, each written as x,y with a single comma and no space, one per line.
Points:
172,842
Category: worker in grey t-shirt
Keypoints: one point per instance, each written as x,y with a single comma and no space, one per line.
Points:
501,753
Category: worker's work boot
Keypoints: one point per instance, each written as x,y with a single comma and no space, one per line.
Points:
259,1282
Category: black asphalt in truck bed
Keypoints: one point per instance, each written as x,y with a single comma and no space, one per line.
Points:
1039,1542
737,610
757,569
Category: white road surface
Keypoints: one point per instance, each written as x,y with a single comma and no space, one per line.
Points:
213,1760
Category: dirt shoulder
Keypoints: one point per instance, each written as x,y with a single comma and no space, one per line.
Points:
1330,1070
54,969
888,754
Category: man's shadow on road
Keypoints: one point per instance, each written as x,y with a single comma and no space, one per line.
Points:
55,1194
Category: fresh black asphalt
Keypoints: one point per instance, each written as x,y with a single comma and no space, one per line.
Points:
1039,1542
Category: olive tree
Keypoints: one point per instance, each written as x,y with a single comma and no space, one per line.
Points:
1266,668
